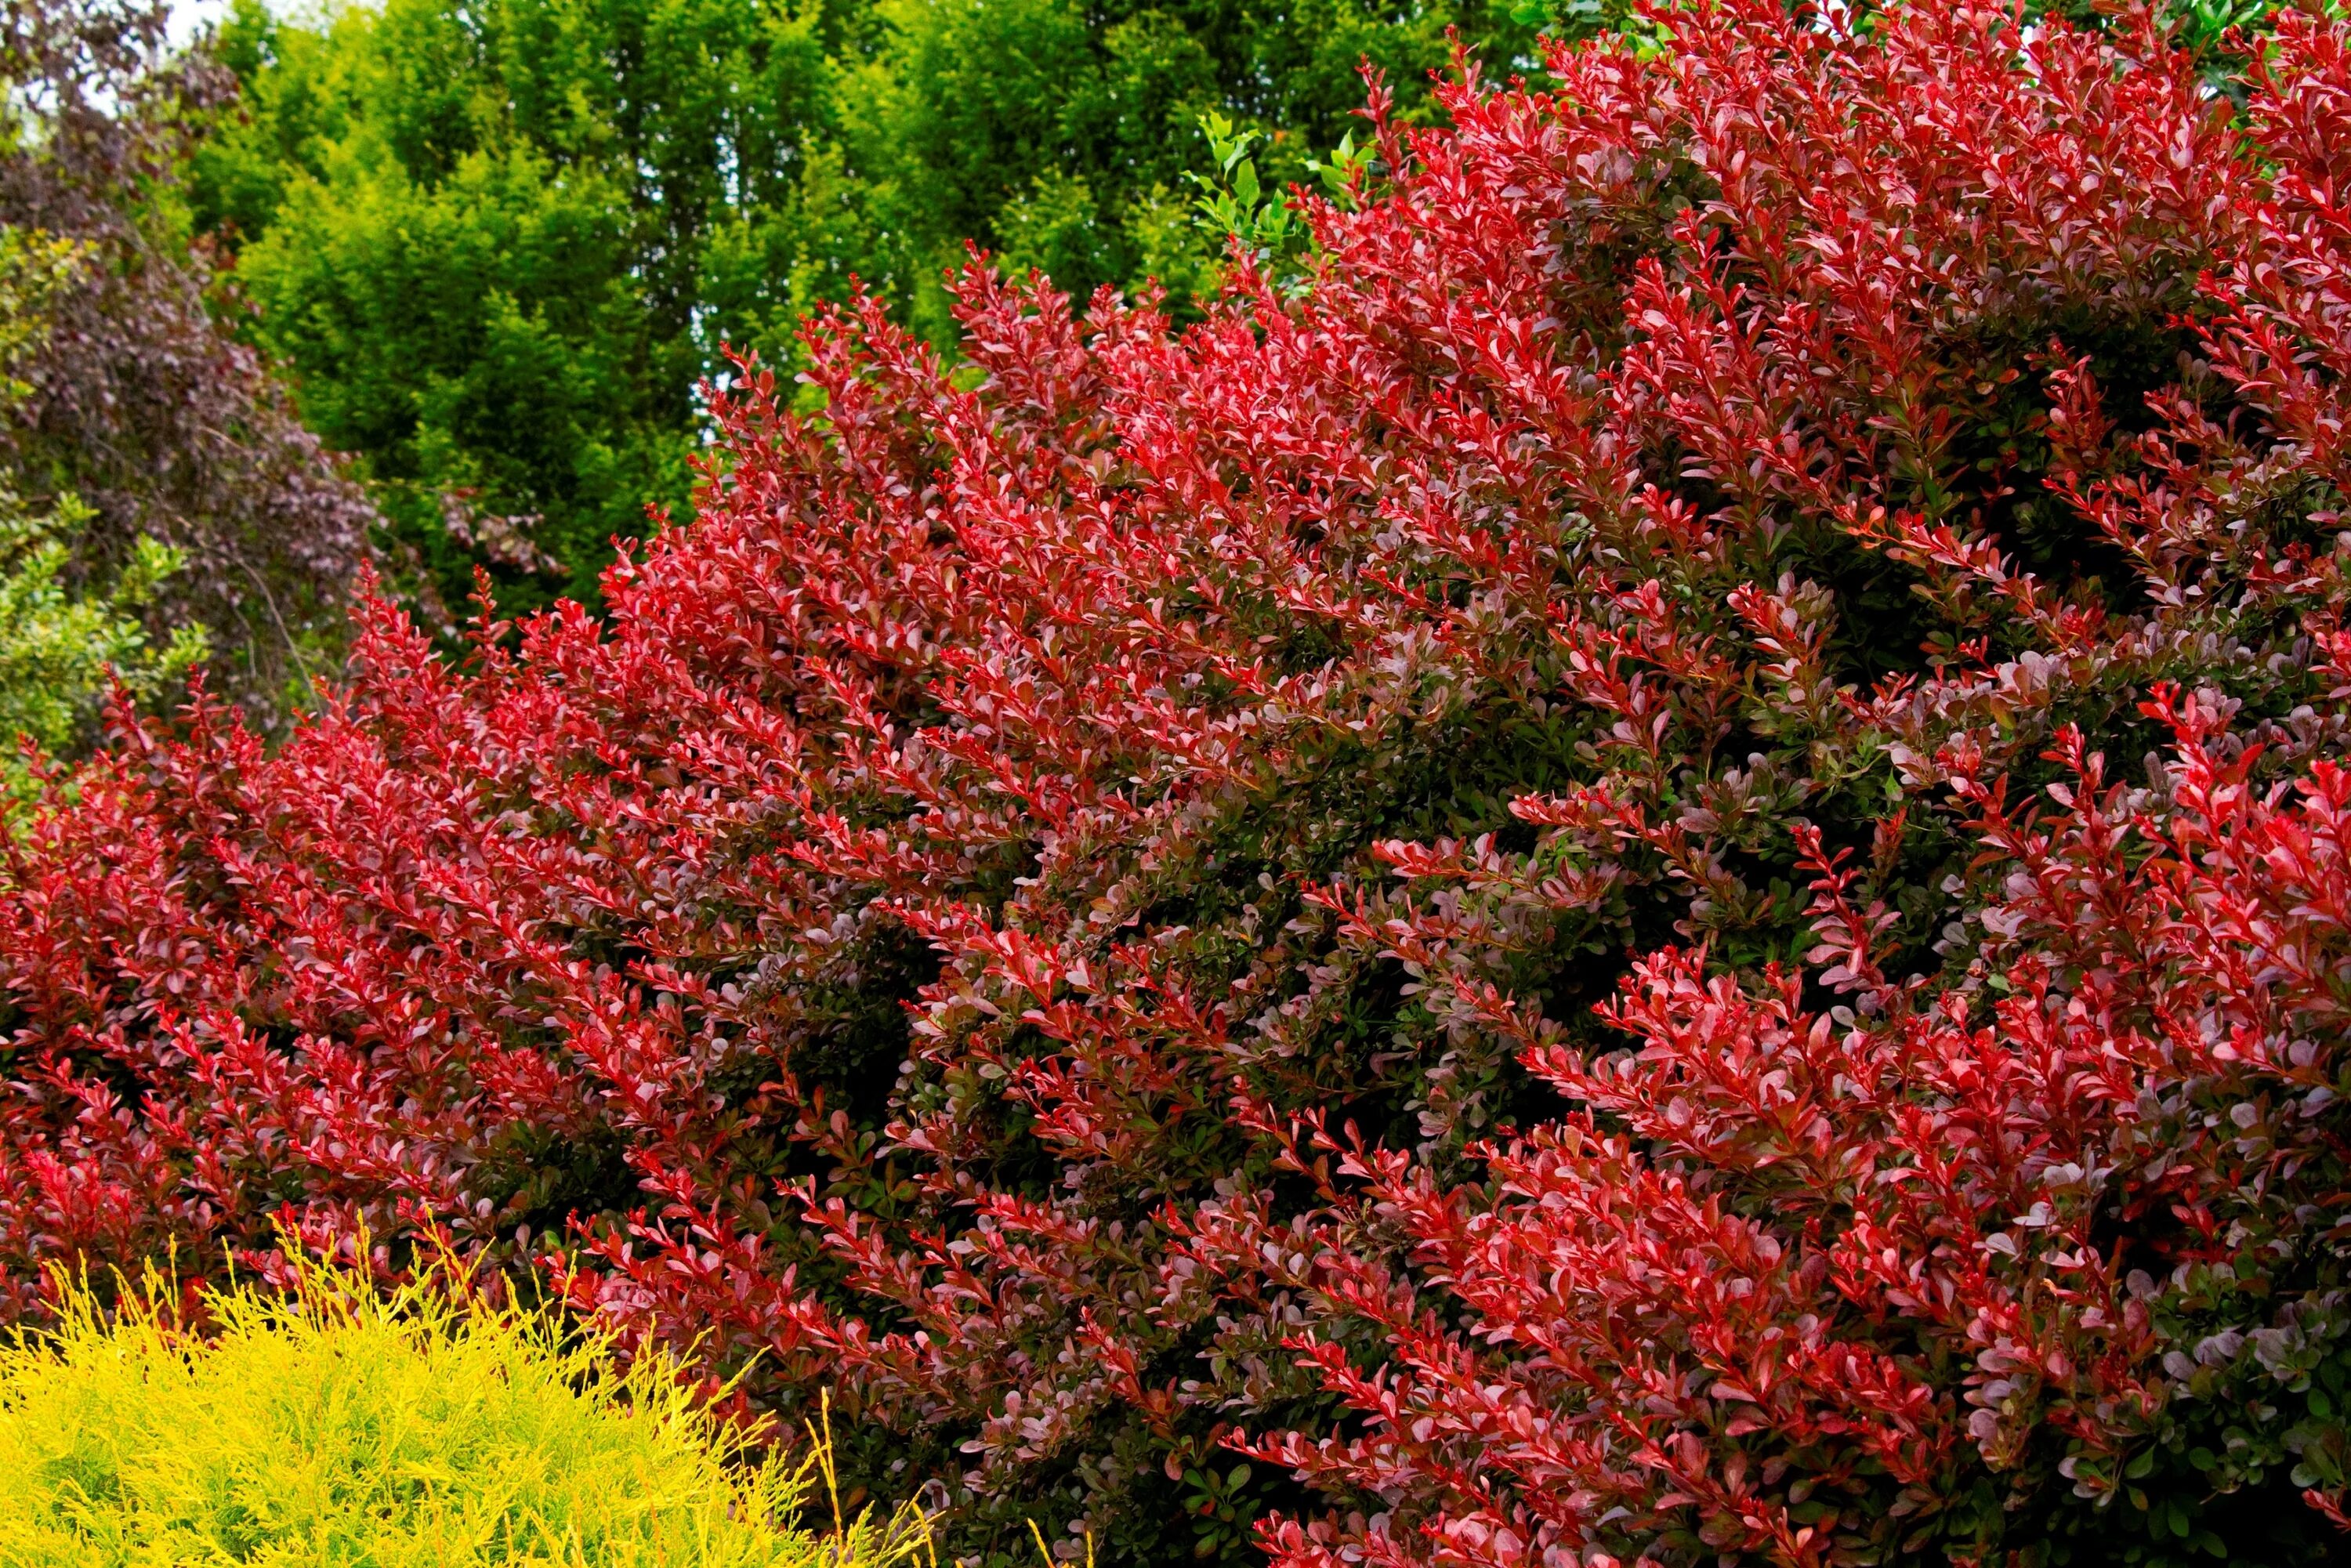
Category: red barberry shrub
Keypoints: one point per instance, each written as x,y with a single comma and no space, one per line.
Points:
1648,866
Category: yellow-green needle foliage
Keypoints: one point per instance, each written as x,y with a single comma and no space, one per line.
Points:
345,1428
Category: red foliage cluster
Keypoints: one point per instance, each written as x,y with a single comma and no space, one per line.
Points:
1503,879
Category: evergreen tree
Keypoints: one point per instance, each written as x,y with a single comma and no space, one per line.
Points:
498,246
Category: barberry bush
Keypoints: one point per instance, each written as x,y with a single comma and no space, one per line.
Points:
1644,862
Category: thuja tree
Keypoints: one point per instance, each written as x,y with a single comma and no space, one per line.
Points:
1644,862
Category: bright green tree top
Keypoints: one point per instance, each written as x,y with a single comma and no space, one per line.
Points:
496,246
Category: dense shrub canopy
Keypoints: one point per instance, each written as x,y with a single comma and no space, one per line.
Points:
1650,868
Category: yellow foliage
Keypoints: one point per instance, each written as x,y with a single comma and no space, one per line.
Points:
343,1427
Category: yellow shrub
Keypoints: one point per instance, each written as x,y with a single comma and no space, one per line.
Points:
345,1428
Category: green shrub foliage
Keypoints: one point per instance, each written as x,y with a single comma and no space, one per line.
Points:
497,245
